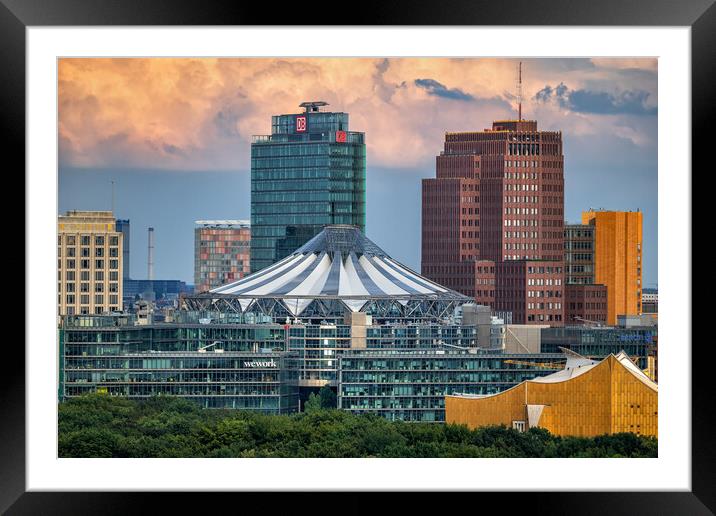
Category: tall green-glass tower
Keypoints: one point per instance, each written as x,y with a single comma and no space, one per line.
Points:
308,173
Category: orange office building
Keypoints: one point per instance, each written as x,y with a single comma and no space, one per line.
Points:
618,259
586,398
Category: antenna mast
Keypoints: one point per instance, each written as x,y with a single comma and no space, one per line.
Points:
519,92
112,197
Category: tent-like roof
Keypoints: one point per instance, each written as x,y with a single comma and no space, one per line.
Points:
338,263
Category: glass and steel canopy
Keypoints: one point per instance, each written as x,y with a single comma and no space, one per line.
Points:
339,269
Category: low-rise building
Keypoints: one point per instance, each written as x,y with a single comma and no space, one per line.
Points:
217,367
650,301
523,338
586,398
411,385
597,342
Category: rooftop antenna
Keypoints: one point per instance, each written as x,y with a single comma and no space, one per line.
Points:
150,254
112,197
519,92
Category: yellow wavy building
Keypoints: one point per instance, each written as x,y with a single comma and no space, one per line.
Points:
587,398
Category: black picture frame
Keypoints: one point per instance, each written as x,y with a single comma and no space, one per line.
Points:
700,15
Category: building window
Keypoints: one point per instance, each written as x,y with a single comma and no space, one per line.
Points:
99,240
519,426
113,240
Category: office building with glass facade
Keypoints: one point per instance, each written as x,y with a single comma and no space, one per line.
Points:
239,367
153,290
247,361
598,342
412,385
122,226
308,173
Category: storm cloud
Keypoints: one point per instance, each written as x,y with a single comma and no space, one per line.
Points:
433,87
629,102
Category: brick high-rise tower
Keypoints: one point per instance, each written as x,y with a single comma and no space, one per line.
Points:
618,259
493,219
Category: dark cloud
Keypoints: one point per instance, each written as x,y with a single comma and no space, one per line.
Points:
382,88
629,102
433,87
225,122
172,149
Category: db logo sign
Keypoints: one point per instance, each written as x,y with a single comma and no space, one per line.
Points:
300,124
340,136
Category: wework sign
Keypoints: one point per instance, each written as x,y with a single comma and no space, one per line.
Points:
260,363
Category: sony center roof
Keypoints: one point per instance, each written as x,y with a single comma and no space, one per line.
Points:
340,263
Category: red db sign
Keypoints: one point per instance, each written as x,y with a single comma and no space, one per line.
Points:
300,124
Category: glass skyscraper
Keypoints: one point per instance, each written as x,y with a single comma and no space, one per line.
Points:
309,172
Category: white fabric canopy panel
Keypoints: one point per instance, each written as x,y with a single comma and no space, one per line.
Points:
339,263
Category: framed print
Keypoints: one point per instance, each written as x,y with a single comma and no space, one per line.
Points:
415,252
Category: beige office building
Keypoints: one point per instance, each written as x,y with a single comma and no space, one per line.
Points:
89,263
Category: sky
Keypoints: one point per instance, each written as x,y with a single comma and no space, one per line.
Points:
174,135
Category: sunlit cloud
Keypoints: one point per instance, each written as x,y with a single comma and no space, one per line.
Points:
200,114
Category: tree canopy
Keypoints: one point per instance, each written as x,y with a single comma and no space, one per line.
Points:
105,426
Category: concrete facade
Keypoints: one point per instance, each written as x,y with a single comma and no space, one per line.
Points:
89,263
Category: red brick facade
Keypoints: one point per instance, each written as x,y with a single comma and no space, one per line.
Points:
587,302
498,196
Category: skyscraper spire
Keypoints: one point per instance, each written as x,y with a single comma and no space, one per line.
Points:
519,92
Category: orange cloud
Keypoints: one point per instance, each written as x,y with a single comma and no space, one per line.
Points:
200,114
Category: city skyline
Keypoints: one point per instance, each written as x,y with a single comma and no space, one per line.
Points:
605,108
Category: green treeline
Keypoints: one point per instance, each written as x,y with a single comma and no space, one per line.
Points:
104,426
